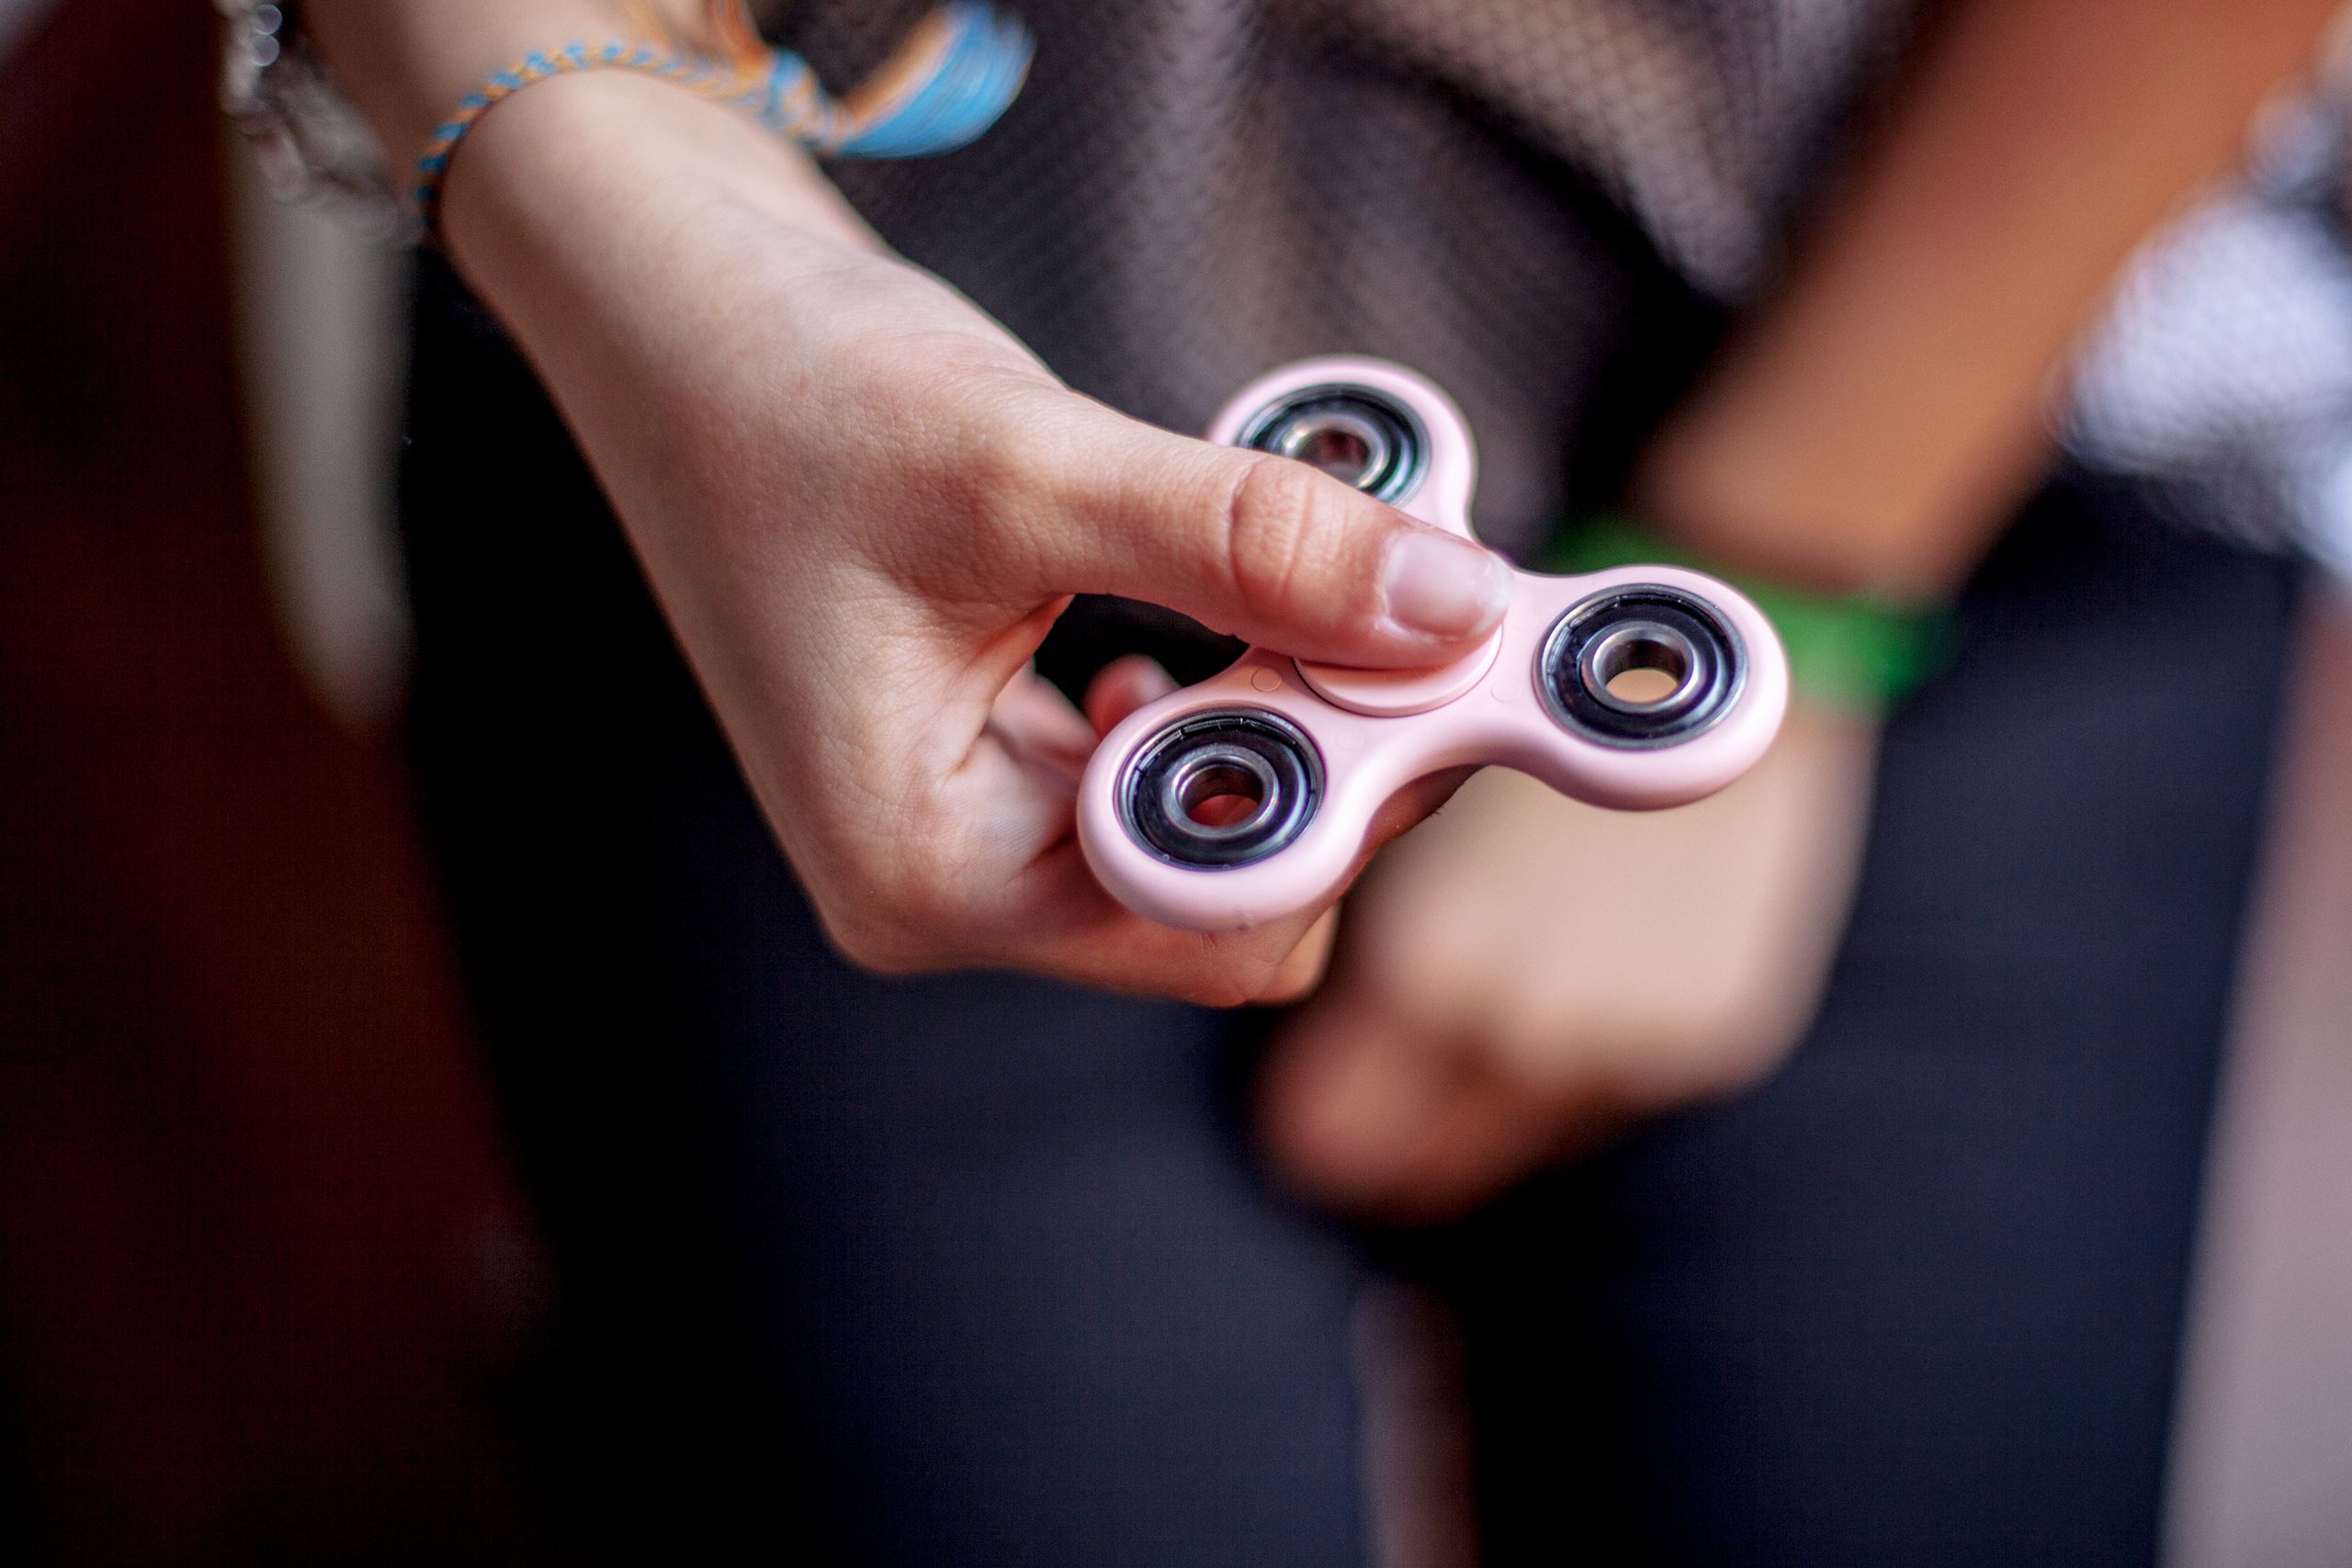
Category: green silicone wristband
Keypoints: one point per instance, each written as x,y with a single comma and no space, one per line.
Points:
1859,654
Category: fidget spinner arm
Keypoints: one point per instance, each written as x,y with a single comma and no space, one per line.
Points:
1250,796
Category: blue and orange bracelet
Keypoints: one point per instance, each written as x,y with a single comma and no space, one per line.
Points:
952,79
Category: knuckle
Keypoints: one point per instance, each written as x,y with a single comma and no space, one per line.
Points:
877,941
999,463
1277,512
1000,481
1221,992
1223,976
886,924
987,458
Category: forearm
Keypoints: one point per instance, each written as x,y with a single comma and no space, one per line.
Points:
1880,417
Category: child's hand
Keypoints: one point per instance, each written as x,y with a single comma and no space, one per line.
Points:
862,503
1525,975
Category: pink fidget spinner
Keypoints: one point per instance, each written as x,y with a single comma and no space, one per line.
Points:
1248,797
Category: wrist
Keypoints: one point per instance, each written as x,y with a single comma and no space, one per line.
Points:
601,171
402,65
1745,477
628,237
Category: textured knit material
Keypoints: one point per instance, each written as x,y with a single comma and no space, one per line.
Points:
1547,205
975,1269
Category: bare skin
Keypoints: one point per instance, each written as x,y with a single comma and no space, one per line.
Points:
1874,424
1522,976
862,503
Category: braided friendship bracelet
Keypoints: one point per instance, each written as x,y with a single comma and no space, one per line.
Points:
951,80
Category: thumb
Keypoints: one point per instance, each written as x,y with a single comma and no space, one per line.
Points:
1263,548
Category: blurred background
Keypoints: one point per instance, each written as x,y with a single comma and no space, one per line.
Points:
263,1279
266,1289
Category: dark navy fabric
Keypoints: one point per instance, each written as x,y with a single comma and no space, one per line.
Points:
965,1269
975,1268
1919,1299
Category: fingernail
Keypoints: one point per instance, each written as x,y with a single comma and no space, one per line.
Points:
1438,585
